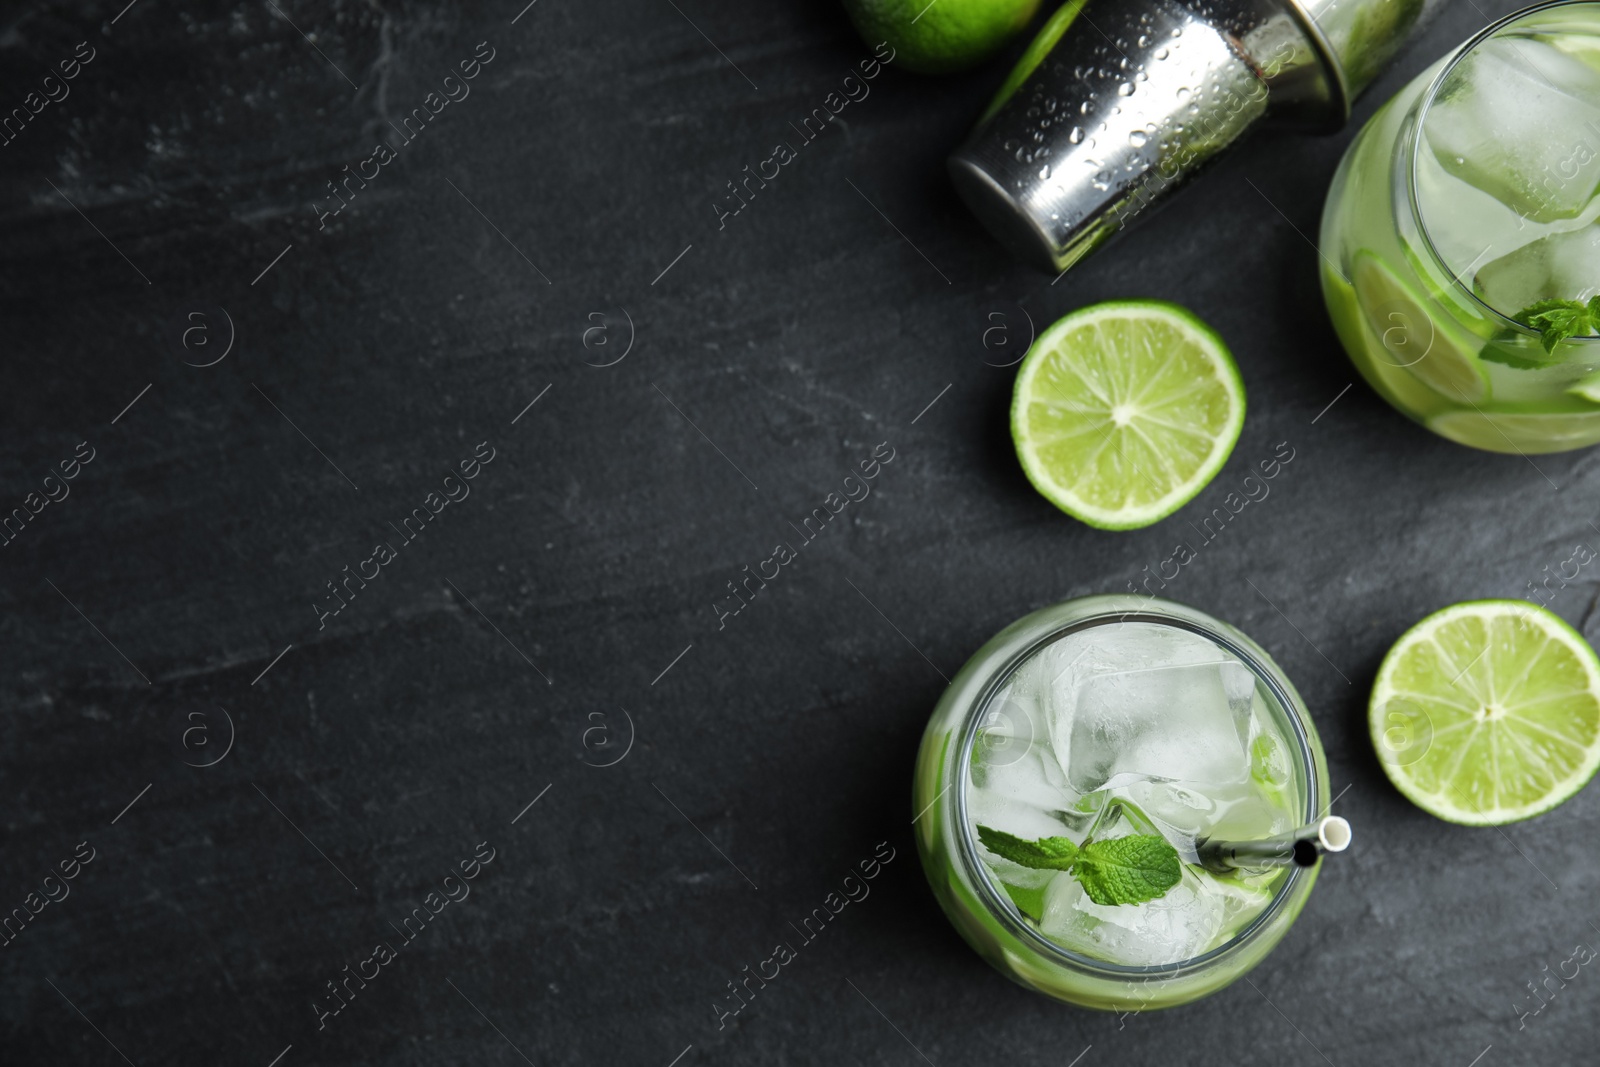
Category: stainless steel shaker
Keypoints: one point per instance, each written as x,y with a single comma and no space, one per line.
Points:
1132,98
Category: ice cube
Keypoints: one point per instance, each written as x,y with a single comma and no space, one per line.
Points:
1152,806
1243,896
1178,811
1172,722
1178,926
1562,266
1126,646
1119,818
1022,795
1239,683
1517,118
1012,725
1069,669
1081,815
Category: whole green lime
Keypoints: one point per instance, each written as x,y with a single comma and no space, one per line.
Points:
940,36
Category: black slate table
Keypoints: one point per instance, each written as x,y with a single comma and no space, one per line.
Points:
543,681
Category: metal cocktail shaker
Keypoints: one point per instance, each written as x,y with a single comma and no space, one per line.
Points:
1118,103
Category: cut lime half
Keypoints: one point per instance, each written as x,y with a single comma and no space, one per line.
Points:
1488,712
939,37
1125,410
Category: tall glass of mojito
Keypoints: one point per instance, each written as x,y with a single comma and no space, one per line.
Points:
1461,239
1099,723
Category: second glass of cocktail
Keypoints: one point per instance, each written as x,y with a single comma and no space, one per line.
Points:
1461,238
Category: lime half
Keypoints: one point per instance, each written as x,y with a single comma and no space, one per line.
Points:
1488,712
942,36
1125,410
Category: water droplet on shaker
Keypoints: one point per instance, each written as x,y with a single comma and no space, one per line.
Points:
1076,136
1044,173
1125,89
1138,138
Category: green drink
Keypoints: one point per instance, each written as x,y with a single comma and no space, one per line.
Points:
1467,202
1103,719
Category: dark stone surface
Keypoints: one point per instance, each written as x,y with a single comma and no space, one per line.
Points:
377,752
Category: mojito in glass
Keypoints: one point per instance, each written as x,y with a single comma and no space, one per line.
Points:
1103,719
1461,238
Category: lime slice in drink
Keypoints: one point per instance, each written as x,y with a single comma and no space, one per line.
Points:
1519,432
1488,712
1580,46
1399,387
1586,388
1427,346
1125,410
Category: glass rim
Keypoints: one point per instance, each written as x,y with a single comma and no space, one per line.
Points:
1412,153
1003,908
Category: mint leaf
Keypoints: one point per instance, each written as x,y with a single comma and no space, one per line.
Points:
1122,870
1127,870
1504,349
1557,320
1045,854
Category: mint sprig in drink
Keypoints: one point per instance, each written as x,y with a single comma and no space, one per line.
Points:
1461,238
1069,784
